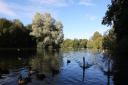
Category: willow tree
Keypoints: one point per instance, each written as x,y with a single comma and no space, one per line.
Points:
47,30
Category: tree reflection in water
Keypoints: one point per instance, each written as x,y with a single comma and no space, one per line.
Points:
46,63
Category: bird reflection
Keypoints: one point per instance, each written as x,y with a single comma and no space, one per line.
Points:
83,68
83,75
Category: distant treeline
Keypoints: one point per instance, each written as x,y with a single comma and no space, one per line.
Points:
95,42
76,43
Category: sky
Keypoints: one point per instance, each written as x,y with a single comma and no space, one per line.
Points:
80,18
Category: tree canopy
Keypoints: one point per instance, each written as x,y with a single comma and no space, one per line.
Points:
47,30
96,41
109,41
13,34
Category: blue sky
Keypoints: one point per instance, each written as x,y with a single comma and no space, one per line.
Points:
81,18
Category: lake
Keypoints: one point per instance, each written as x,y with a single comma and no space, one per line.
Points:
72,67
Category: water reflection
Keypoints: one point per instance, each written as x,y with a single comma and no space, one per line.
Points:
46,62
83,79
63,68
13,60
96,69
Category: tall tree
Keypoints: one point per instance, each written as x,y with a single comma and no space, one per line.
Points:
117,15
47,30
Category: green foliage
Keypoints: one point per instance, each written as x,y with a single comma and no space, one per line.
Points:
44,30
47,30
96,35
76,43
96,41
109,41
4,26
117,15
13,34
83,43
68,43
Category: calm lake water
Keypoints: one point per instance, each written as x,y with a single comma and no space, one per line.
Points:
62,68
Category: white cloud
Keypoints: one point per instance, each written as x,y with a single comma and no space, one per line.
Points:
4,9
86,2
16,9
63,3
58,3
28,11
